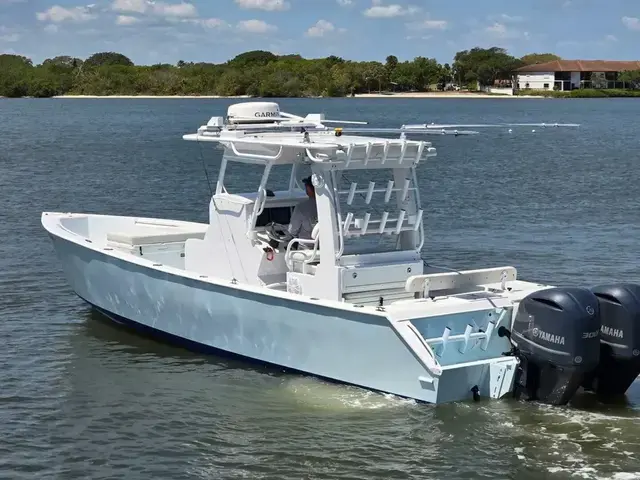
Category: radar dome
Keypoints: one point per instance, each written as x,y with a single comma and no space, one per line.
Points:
253,112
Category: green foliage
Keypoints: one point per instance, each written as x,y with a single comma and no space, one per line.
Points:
536,58
632,77
484,66
104,59
261,73
253,59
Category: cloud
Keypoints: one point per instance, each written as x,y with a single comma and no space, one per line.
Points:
377,10
497,29
126,20
135,6
345,3
320,28
175,10
509,18
210,22
428,25
269,5
418,37
610,38
58,14
501,31
632,23
9,37
255,26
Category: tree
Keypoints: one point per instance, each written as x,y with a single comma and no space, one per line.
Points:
391,64
333,60
426,72
16,72
255,73
253,58
14,61
631,78
536,58
62,61
446,75
107,58
484,66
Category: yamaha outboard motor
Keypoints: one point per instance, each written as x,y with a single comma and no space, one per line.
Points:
557,336
619,340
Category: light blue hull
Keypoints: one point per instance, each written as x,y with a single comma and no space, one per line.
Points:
345,346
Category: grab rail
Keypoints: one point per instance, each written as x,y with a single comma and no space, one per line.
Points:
255,155
312,157
305,241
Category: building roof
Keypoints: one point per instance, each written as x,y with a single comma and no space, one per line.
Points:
581,66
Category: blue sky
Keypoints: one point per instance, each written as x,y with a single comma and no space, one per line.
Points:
165,31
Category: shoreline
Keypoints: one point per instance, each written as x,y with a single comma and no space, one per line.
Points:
361,95
439,95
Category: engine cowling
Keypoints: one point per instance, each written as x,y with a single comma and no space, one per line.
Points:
619,340
557,333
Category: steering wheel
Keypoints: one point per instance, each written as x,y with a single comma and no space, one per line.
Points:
277,232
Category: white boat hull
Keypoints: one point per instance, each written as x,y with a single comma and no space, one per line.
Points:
330,341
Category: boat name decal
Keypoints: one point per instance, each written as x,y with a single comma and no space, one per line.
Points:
612,332
548,337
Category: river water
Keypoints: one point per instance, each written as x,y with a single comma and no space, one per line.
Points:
81,398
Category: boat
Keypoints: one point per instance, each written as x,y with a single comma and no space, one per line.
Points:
353,301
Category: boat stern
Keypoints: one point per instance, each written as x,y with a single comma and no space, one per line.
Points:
463,354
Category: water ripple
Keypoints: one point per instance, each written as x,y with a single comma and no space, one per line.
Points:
82,398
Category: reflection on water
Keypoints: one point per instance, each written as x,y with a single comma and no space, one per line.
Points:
542,440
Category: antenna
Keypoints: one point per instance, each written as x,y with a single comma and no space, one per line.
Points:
263,117
434,126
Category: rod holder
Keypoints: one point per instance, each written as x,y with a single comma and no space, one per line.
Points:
383,222
403,152
349,154
367,153
347,222
385,152
370,192
365,223
466,337
420,151
419,216
405,189
445,339
389,191
485,343
400,221
352,192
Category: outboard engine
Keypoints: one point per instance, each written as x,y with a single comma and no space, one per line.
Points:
619,340
556,332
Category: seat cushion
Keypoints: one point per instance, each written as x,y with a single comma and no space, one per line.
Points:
146,235
304,254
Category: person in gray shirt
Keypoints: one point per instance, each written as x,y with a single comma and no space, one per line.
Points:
305,215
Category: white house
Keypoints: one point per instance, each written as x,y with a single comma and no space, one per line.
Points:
571,74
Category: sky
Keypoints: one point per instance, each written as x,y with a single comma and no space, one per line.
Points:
165,31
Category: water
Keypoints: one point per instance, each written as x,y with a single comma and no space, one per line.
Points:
81,398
